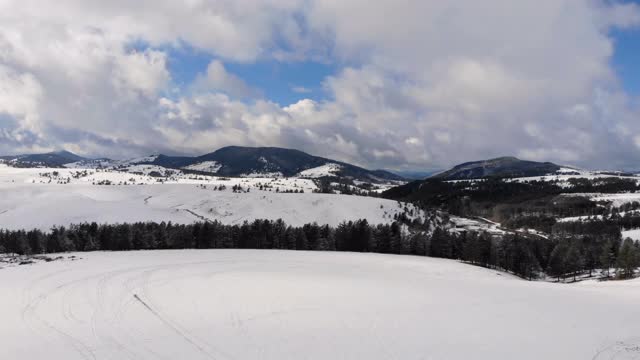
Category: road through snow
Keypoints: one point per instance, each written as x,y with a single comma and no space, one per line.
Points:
233,304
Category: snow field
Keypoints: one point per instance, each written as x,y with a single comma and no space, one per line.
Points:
234,304
329,169
31,199
27,206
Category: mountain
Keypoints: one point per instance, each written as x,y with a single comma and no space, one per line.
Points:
499,167
51,159
268,161
416,175
228,161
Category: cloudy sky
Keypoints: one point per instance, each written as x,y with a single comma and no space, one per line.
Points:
400,84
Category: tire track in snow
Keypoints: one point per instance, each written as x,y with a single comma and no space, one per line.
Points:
174,328
29,313
174,325
203,218
627,349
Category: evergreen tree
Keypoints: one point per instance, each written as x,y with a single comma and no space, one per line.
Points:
556,265
627,259
573,259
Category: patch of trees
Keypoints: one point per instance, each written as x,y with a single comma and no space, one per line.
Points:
334,185
516,204
542,223
565,255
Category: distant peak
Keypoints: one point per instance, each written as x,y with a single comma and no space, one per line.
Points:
505,158
63,152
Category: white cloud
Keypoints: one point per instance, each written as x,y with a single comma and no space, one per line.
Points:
20,94
428,82
144,72
217,78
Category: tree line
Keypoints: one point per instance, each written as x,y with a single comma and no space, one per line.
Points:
566,254
533,204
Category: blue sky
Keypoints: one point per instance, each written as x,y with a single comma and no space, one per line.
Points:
284,83
288,82
626,59
415,84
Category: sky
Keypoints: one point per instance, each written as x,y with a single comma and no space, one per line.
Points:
403,85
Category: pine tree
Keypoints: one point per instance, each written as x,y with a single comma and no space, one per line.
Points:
573,259
627,259
608,256
556,265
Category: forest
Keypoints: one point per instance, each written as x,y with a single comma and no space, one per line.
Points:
516,204
573,250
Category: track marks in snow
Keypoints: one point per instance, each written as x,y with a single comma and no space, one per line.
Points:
200,217
228,305
628,349
173,327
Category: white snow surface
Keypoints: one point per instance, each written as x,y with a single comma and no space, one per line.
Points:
145,159
235,304
206,166
329,169
31,200
461,224
615,200
633,234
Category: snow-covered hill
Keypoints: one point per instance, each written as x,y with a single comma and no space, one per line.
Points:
233,304
44,198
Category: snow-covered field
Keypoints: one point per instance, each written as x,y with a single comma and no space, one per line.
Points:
562,177
28,201
565,174
233,304
476,225
633,234
320,171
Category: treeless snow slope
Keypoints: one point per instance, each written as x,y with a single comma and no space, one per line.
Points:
232,304
25,206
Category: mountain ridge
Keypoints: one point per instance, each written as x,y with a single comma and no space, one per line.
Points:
227,161
505,166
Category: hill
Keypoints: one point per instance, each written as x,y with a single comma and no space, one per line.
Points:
499,167
312,305
269,161
51,159
235,161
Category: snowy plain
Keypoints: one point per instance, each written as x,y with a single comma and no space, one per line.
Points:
245,304
31,200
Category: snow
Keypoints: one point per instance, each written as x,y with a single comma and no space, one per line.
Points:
234,304
92,164
481,225
617,199
275,174
148,169
36,198
206,166
145,159
329,169
633,234
562,177
566,170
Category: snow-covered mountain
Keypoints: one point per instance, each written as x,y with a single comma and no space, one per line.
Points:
234,161
499,167
271,161
51,159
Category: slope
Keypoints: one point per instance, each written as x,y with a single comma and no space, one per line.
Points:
312,305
